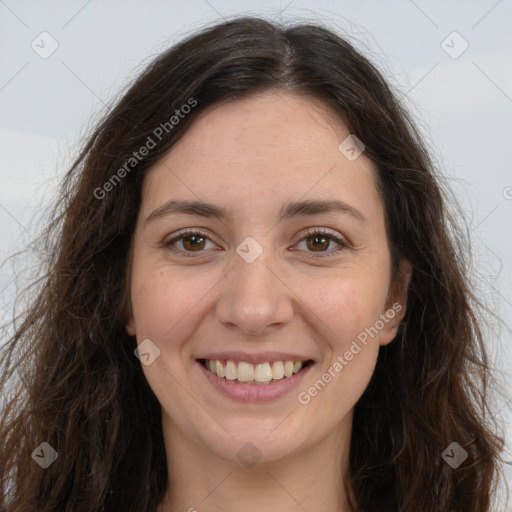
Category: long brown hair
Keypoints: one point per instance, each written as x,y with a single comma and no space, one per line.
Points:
81,390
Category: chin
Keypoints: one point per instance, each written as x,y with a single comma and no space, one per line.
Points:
254,442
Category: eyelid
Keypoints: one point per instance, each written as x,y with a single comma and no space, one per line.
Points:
323,231
183,232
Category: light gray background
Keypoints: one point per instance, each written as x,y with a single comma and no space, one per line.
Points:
463,104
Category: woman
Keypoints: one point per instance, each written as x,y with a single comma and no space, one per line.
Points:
256,300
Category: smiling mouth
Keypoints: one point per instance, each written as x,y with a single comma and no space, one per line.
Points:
261,374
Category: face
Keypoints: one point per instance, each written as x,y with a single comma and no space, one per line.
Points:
287,260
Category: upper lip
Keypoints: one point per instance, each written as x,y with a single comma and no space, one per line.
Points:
264,357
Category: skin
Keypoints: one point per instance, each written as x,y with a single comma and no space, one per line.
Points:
251,156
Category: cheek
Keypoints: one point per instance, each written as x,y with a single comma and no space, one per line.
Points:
350,303
167,309
343,318
165,302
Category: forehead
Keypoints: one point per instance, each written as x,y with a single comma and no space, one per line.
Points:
266,148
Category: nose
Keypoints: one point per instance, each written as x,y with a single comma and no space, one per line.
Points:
254,299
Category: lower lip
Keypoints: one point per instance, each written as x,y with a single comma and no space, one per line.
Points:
255,393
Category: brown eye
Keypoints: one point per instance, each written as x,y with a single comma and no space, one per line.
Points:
187,243
318,242
193,242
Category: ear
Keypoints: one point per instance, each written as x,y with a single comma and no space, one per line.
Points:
396,303
127,310
130,321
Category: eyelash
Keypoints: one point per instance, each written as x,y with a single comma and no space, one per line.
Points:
342,244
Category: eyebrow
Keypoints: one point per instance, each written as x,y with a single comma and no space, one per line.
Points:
290,210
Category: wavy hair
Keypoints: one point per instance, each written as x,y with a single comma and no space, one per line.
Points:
79,387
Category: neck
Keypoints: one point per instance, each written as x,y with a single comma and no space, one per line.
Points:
310,479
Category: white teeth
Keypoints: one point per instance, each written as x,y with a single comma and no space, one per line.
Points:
247,372
230,371
219,370
277,370
263,372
